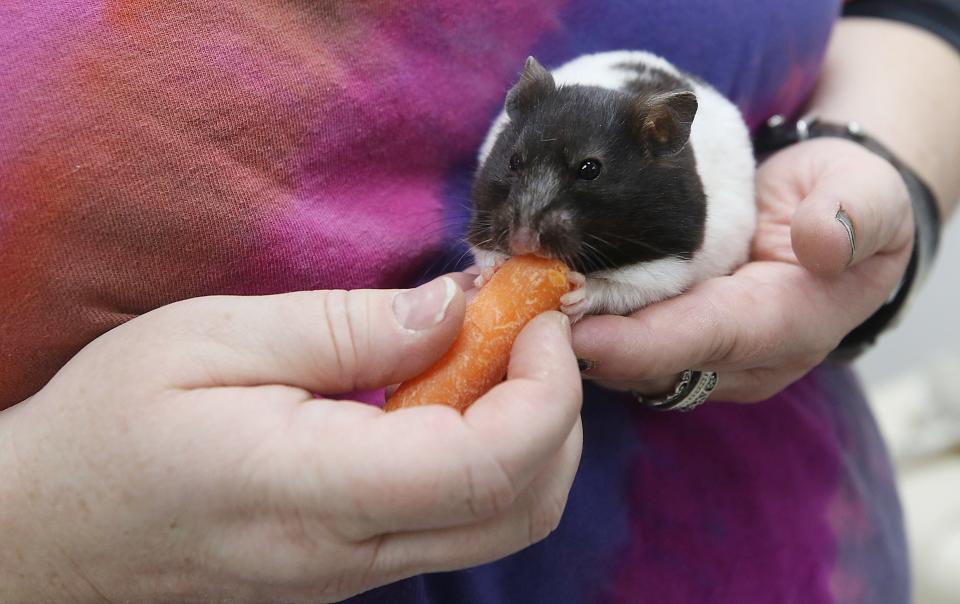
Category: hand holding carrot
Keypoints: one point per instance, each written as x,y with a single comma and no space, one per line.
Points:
206,470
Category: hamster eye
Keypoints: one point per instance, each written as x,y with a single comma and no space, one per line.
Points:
589,169
516,162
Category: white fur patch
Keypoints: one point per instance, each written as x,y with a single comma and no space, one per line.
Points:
498,125
486,258
628,288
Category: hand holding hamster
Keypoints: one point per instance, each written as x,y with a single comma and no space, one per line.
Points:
635,174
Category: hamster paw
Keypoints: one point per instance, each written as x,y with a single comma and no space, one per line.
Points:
574,303
486,273
576,280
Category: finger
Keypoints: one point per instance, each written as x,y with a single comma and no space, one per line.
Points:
660,341
464,280
536,513
766,313
543,389
323,341
854,211
429,467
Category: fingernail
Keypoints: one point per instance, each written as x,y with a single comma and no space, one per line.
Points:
844,219
585,365
424,307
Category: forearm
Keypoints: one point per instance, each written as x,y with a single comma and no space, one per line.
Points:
902,85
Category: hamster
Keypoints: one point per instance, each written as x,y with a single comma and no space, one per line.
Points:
637,175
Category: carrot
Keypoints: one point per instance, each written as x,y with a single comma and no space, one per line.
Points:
524,287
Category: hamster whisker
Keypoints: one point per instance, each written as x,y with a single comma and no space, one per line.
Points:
460,258
480,244
501,239
639,242
598,255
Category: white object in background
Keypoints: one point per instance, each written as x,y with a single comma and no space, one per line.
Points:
931,498
919,414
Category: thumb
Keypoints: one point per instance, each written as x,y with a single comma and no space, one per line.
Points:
852,212
326,341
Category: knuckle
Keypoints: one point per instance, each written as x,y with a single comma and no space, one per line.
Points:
336,588
490,490
544,517
157,339
810,345
759,385
812,358
721,340
338,324
373,567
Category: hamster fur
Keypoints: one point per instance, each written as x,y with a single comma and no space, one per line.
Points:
722,158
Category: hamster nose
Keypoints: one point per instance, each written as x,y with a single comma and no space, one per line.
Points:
524,240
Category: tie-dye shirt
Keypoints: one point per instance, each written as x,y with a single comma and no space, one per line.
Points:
152,151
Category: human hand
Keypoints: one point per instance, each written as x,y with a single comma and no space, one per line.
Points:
779,315
182,457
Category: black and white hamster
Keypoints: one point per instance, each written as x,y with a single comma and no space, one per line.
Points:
638,175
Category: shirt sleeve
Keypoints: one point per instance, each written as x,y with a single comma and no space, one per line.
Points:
940,17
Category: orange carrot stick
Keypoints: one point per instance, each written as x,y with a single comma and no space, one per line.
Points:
524,287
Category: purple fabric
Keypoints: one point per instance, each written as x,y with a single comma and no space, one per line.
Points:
792,500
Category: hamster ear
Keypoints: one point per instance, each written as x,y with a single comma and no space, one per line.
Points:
662,121
534,85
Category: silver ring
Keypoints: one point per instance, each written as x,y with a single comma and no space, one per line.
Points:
691,390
